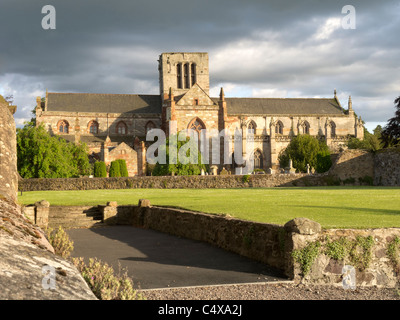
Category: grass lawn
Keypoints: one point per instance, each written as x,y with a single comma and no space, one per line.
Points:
332,207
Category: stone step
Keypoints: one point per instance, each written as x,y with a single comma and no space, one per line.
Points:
74,215
75,224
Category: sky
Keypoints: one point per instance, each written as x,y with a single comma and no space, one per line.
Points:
257,48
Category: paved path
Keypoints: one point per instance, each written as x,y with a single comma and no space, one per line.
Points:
158,260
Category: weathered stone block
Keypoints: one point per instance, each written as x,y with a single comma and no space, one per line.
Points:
144,203
303,226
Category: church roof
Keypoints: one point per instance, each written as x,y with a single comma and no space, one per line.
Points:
138,103
103,103
292,106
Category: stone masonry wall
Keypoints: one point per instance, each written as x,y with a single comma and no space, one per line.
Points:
373,253
353,164
387,164
165,182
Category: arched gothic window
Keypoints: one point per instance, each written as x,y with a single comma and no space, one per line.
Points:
93,127
258,159
279,127
63,126
333,129
150,125
196,125
121,128
251,128
304,128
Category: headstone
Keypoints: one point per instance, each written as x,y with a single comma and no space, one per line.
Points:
291,169
214,170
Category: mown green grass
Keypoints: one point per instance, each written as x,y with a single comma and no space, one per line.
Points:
332,207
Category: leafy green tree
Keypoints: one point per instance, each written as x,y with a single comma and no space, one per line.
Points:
304,149
324,161
114,169
41,155
371,142
391,132
180,169
123,169
100,170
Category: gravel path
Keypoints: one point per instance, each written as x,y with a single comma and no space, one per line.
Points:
272,291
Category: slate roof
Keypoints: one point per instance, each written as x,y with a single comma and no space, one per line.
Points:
292,106
103,103
145,104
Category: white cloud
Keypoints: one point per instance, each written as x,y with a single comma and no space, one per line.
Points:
325,31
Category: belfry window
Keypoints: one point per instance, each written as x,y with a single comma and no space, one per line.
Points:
179,75
186,75
193,73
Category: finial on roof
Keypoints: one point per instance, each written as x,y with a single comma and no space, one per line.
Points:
350,103
334,92
222,95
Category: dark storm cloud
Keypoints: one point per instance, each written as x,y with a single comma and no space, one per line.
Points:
285,47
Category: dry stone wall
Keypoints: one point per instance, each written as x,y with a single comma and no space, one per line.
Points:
301,249
387,167
175,182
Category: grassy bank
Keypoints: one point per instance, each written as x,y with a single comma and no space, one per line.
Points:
332,207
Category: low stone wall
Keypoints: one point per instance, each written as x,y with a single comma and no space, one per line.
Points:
175,182
369,257
259,241
353,164
301,249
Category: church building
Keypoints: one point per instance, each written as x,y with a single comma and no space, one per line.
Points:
114,126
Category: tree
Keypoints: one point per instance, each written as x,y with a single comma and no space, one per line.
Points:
100,170
304,149
391,132
114,169
371,142
123,169
180,169
40,155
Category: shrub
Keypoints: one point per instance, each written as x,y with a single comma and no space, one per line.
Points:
100,170
366,180
115,169
60,241
303,150
324,161
123,169
104,283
